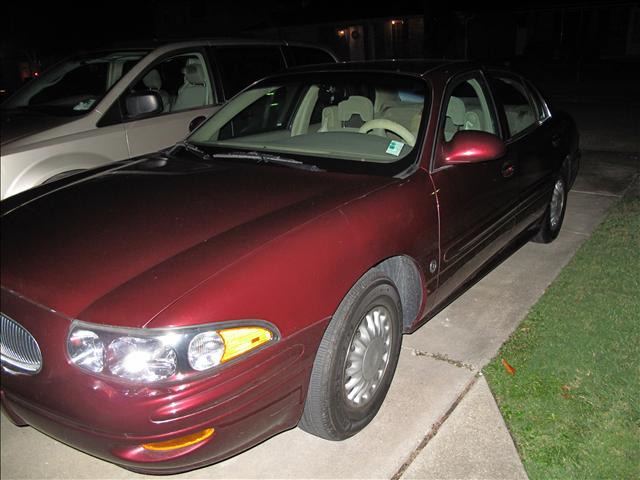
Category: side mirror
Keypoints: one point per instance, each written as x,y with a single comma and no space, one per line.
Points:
140,104
195,123
469,146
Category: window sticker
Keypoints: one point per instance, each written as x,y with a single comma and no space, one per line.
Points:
395,148
84,105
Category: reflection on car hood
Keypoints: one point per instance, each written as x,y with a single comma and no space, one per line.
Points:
79,245
17,124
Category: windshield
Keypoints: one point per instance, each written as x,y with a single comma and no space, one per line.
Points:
74,86
329,119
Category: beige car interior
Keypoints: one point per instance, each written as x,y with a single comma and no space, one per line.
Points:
385,119
153,81
469,112
194,92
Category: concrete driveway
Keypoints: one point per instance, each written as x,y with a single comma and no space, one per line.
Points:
437,388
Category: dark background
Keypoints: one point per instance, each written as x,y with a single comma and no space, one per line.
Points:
587,48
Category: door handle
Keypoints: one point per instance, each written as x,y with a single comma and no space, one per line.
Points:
555,140
508,169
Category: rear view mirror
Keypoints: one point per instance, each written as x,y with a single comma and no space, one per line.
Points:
470,146
140,104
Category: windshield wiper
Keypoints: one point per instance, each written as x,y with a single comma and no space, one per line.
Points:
195,150
267,158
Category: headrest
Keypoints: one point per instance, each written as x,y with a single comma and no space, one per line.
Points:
194,74
152,80
386,99
355,105
456,111
472,121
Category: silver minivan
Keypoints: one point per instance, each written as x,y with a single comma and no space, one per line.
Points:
114,104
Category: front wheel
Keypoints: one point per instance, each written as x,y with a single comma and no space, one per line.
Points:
554,214
356,360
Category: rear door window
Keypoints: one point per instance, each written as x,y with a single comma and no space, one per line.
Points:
241,66
514,99
542,109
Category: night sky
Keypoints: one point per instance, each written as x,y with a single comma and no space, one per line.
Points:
64,26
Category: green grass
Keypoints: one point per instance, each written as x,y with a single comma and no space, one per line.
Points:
573,405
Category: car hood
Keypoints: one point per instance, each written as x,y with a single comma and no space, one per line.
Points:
17,124
79,246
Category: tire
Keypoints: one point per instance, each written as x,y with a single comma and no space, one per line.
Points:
554,214
356,360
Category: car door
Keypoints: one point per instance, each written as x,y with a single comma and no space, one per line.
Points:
530,138
476,200
186,85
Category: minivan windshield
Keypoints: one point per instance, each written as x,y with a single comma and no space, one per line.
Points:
75,85
325,118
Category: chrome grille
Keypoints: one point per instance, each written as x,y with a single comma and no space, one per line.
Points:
19,350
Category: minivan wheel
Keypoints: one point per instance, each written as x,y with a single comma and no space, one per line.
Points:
554,214
356,360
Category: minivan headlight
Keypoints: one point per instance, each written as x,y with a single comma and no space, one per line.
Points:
147,355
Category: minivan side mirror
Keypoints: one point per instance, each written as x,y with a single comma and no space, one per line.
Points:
470,146
196,122
144,103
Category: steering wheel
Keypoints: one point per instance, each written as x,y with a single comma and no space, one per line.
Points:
394,127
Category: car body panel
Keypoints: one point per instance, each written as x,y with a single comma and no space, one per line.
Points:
193,205
147,135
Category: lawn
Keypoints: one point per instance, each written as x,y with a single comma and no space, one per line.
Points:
573,404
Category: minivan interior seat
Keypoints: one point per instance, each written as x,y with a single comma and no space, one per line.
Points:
153,81
193,93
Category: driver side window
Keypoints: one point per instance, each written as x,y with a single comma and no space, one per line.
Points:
468,109
182,82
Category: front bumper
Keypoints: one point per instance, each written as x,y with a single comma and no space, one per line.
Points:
245,403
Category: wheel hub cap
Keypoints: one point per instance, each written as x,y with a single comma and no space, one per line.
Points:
368,356
557,204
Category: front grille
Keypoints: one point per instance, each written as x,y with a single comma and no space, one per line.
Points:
19,350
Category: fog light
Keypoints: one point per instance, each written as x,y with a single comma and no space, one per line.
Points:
180,442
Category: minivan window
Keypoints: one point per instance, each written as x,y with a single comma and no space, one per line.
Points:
241,66
182,82
74,86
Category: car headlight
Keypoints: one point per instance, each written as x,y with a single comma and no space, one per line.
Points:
147,355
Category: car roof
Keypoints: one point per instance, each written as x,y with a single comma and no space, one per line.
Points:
411,66
213,41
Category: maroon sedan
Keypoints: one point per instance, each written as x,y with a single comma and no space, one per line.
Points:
168,312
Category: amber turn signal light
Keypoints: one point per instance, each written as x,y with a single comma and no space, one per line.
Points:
179,442
243,339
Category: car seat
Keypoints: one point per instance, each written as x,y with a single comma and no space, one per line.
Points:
455,117
193,93
353,107
153,81
348,115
